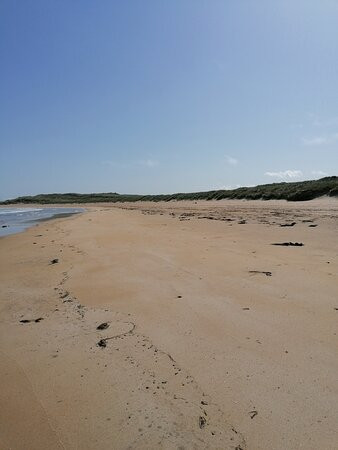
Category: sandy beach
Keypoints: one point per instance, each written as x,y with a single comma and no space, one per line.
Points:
212,337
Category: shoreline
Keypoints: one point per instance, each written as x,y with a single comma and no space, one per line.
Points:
187,320
19,226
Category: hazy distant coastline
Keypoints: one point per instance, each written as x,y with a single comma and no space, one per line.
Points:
295,191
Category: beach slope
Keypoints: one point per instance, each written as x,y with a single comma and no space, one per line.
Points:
172,325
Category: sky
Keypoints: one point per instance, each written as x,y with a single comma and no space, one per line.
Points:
159,96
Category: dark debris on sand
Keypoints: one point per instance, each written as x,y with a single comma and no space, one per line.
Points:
103,326
268,274
292,224
289,244
253,414
102,343
202,422
31,320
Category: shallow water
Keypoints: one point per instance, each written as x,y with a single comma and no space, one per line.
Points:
15,220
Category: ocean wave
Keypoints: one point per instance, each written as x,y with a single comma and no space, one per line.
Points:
19,211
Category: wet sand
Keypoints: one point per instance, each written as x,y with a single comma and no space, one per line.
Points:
214,337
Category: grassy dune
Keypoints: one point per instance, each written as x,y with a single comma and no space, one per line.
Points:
297,191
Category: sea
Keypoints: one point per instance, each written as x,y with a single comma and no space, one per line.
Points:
15,220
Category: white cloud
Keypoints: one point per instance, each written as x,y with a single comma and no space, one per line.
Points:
231,161
320,140
319,173
316,121
228,187
285,175
149,163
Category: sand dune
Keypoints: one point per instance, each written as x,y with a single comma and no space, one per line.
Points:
214,337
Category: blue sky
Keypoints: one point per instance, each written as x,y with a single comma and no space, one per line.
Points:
156,96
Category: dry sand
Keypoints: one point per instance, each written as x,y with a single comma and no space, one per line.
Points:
201,351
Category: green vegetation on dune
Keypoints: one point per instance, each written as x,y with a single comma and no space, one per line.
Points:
296,191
